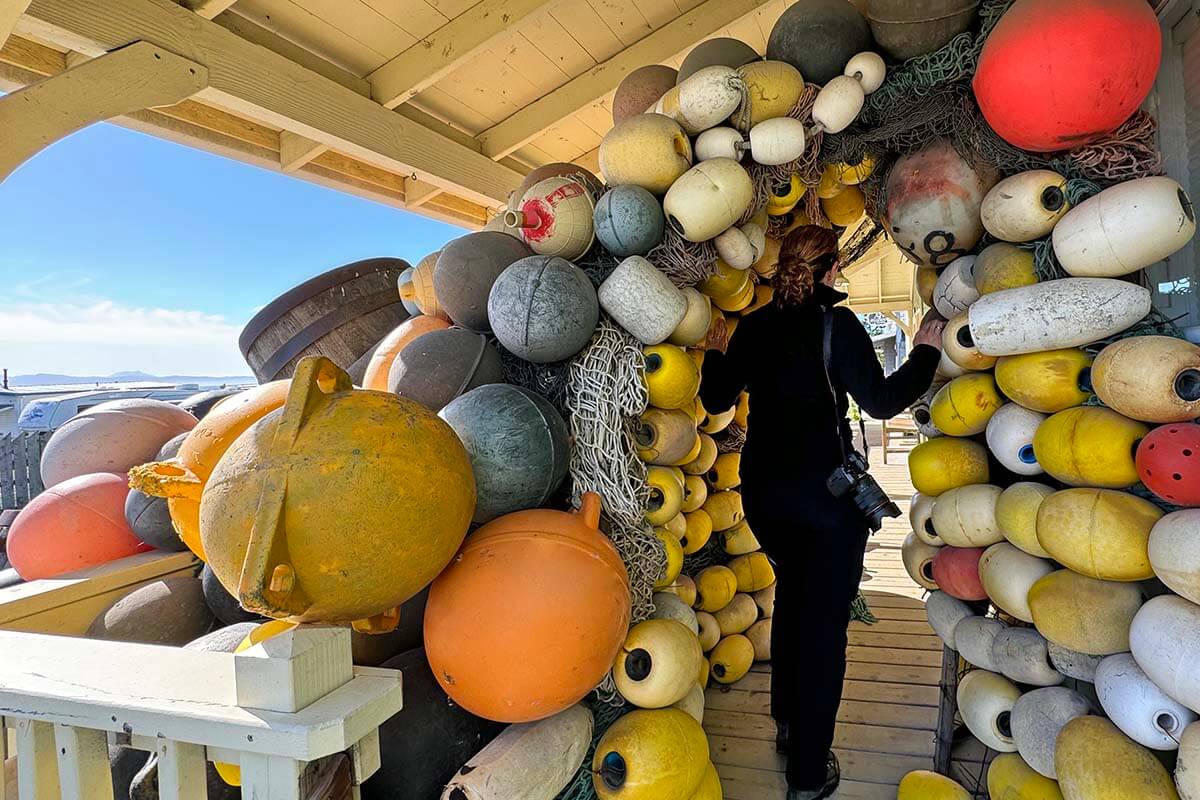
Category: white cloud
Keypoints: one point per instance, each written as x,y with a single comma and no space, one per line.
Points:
103,337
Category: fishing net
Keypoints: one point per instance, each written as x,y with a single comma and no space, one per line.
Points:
603,716
731,440
685,263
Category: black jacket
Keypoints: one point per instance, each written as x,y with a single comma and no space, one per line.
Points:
775,354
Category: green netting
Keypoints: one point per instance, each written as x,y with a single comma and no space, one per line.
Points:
604,715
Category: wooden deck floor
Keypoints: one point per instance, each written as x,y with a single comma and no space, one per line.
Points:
889,712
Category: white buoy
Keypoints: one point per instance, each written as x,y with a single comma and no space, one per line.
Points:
1037,718
719,143
667,605
1025,206
1125,228
868,69
777,141
703,100
708,198
1080,666
696,321
1007,573
1009,436
838,103
918,557
1069,312
973,639
985,701
966,516
1140,709
955,290
642,300
1175,552
944,613
692,703
1165,640
1022,657
1187,765
920,515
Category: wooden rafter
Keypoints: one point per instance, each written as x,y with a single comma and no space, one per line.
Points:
255,82
209,8
10,12
295,150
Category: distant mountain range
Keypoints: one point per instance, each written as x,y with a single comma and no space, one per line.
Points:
52,379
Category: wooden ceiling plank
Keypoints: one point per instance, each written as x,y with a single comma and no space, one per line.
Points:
10,12
208,8
440,53
37,58
530,122
295,150
549,36
262,85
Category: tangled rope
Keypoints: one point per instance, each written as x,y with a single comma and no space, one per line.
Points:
731,440
685,263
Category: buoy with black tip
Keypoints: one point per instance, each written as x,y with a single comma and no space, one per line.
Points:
738,616
1007,574
1020,654
1150,378
1101,533
753,572
1047,382
1089,446
649,755
960,348
665,437
1001,266
943,612
657,663
1009,435
923,784
985,701
1025,206
973,639
731,659
740,540
918,560
1094,759
920,515
1084,614
966,516
785,196
1143,712
710,630
725,473
666,495
1037,719
697,533
1008,776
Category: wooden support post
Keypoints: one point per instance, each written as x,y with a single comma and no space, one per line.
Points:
270,777
10,12
295,150
83,772
292,670
130,79
181,771
37,766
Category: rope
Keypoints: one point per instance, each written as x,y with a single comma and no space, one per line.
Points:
685,263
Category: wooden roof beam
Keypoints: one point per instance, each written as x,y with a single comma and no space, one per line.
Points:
441,52
677,35
255,82
208,8
10,12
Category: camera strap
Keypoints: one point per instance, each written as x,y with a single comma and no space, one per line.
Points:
827,361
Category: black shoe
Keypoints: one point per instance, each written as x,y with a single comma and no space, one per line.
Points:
833,777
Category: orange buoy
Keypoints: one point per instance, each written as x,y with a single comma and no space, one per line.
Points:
530,615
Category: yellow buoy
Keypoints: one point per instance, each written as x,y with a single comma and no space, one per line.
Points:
665,437
695,492
960,348
785,196
759,635
732,658
725,472
738,616
1084,614
945,463
691,455
676,526
684,588
725,284
773,87
964,405
1089,446
764,294
925,785
754,572
846,207
650,755
1003,266
829,185
710,784
710,631
715,423
1010,778
657,663
1016,514
741,416
699,531
1099,532
715,587
725,508
740,540
705,668
1151,378
966,516
1047,382
704,459
854,174
926,280
647,150
674,559
739,302
666,496
1095,761
672,378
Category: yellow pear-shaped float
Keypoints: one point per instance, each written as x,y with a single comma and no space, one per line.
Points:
657,663
945,463
650,755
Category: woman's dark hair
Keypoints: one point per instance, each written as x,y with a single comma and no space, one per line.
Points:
806,255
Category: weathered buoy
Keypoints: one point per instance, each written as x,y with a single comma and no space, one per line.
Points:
666,438
1187,765
719,52
628,221
221,603
1165,640
1094,759
674,558
956,571
1009,776
777,141
554,217
169,611
740,540
666,498
404,285
938,465
925,784
702,100
738,616
1073,664
726,472
641,89
955,289
1140,709
759,635
736,247
933,201
1007,574
1069,312
647,150
753,570
715,588
947,370
685,589
846,207
1150,378
1107,438
380,365
697,317
708,198
650,754
869,70
918,557
1036,96
944,612
710,631
1037,719
765,600
423,292
668,605
656,666
1100,533
818,37
1010,434
1165,464
725,508
1021,655
966,516
527,760
906,29
1084,614
438,366
960,348
985,701
1016,514
920,516
1048,381
695,492
973,639
838,104
543,309
1025,206
671,376
964,406
693,702
642,300
1002,266
1173,552
731,659
784,197
773,87
466,269
148,516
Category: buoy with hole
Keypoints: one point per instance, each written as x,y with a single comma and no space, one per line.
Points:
664,437
725,508
1100,533
945,463
973,639
646,150
657,664
868,69
944,612
555,217
964,406
920,516
958,345
955,289
672,379
695,492
918,556
1167,463
1084,614
666,495
674,558
956,571
1094,759
642,300
1016,514
1140,709
784,196
966,516
1007,574
985,701
1038,717
1165,640
1021,656
1025,206
699,530
710,632
1150,378
1089,446
1009,436
708,198
650,754
1049,381
731,659
725,473
1001,266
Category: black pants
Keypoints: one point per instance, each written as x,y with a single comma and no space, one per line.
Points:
817,544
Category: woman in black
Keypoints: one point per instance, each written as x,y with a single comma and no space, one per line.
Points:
816,541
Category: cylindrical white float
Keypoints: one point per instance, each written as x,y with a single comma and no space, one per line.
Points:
1175,552
985,701
1165,640
1025,206
642,300
966,517
1140,709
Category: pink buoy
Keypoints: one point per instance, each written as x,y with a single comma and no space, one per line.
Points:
956,571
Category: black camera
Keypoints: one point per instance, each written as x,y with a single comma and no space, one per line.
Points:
853,479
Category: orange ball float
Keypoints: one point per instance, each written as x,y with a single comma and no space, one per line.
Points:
376,376
73,525
530,615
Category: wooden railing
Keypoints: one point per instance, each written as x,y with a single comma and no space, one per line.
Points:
273,710
20,467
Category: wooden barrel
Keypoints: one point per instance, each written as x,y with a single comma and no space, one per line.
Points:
341,314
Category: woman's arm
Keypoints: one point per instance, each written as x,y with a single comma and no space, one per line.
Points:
857,369
725,375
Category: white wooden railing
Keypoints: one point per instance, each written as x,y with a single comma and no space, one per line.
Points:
272,709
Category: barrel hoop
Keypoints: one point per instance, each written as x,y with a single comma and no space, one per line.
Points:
311,333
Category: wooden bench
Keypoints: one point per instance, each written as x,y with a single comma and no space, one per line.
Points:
900,434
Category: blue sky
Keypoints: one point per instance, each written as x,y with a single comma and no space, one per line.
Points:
119,251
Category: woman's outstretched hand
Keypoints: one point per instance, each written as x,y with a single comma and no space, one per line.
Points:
930,332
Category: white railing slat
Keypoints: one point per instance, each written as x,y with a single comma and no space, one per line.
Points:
83,772
181,772
37,764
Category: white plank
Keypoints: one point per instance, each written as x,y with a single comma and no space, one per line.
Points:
270,778
37,766
83,771
182,774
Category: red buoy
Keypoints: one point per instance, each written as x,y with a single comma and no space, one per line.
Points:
1057,74
1168,462
956,572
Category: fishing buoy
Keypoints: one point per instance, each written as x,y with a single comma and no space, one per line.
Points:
650,754
628,221
869,70
715,588
1094,759
960,348
708,198
1150,378
1002,266
697,317
404,286
527,759
838,104
664,437
773,88
1165,464
944,612
1025,206
1007,574
1021,655
973,639
702,100
1009,436
1009,776
1036,99
438,366
759,635
933,202
710,631
924,784
1187,765
735,248
222,604
423,292
907,29
693,702
1080,666
985,701
149,517
376,375
926,281
169,611
684,588
657,664
725,508
955,289
674,558
947,370
695,492
641,89
956,571
846,207
731,659
1100,533
722,51
818,37
725,472
705,457
666,496
777,141
1048,381
1084,614
555,217
920,515
466,269
740,540
964,406
672,379
1037,719
1107,438
1165,640
669,606
753,572
966,516
1174,555
642,300
765,600
938,465
1140,709
543,309
646,150
738,616
1069,312
918,561
699,531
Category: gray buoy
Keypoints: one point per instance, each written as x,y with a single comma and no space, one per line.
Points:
438,366
149,517
543,309
629,221
466,269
